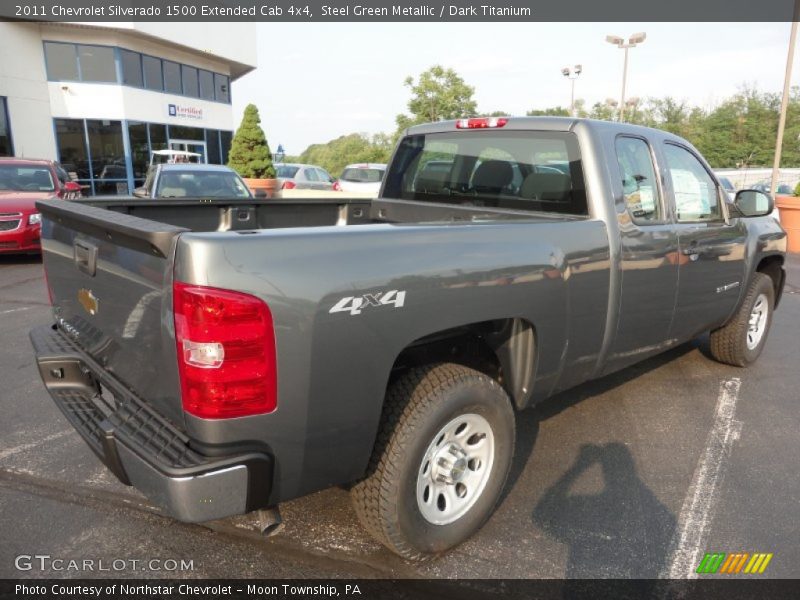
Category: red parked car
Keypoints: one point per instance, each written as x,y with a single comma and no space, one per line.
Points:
22,182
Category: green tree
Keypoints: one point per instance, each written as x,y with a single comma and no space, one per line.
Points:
555,111
250,155
437,95
347,149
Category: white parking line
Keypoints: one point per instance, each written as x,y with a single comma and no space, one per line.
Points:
22,447
13,310
698,506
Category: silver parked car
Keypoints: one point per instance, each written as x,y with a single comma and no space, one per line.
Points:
364,177
303,177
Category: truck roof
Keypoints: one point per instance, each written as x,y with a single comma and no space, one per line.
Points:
541,124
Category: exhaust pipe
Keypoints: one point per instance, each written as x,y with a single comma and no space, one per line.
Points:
269,521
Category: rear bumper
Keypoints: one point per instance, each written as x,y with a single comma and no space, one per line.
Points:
142,448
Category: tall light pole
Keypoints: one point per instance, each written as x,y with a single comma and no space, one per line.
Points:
633,41
784,100
572,74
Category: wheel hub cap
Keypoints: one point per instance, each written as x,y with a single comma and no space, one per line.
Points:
451,464
455,469
757,323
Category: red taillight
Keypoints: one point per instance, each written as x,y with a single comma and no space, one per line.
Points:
481,123
288,185
226,352
337,187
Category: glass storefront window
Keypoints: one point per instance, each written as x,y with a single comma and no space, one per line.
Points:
190,84
212,146
107,154
172,78
222,86
6,144
97,64
206,85
71,143
158,137
140,150
153,76
131,68
225,142
62,62
182,132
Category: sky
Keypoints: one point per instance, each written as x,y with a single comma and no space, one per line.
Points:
317,81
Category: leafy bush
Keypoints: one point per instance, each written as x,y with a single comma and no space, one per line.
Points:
250,155
797,190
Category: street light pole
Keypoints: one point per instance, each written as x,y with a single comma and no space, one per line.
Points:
572,74
624,81
633,41
785,100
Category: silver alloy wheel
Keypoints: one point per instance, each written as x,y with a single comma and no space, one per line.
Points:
455,469
757,322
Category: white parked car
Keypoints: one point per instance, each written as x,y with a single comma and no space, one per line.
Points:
363,177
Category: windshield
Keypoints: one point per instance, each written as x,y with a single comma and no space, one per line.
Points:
195,184
518,170
26,179
362,175
285,171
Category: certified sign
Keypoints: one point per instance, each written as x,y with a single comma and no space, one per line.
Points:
181,111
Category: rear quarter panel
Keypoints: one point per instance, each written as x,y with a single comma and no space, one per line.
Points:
333,368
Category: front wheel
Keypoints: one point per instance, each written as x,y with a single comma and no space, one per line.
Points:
441,459
741,340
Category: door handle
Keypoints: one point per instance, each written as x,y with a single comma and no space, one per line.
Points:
85,256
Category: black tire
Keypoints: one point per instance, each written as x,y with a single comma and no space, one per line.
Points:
729,342
417,406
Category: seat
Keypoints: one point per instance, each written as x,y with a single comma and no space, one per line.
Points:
432,179
546,187
42,180
492,177
171,186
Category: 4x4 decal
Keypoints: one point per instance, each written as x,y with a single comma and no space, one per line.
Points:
355,304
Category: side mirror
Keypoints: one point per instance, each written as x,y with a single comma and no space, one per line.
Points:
753,203
72,187
140,192
261,194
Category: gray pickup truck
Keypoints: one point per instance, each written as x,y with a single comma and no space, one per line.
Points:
225,355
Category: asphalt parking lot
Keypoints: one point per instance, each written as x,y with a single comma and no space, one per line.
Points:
635,475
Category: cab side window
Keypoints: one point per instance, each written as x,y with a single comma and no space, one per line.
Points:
639,184
696,194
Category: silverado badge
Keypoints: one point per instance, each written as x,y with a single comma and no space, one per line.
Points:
88,301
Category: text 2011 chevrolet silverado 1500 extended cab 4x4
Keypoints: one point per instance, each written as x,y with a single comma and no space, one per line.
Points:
224,355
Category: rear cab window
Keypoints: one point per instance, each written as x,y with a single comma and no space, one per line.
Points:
518,170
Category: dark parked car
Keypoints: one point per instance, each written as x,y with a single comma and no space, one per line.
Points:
254,351
22,183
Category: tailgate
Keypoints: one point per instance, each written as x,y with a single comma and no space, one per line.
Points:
110,276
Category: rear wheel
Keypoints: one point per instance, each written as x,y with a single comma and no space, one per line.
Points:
742,339
441,460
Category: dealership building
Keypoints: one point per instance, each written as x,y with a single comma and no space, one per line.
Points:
99,98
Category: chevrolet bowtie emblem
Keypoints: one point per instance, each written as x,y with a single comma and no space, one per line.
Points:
88,301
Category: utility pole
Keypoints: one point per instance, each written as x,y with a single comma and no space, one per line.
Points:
785,100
